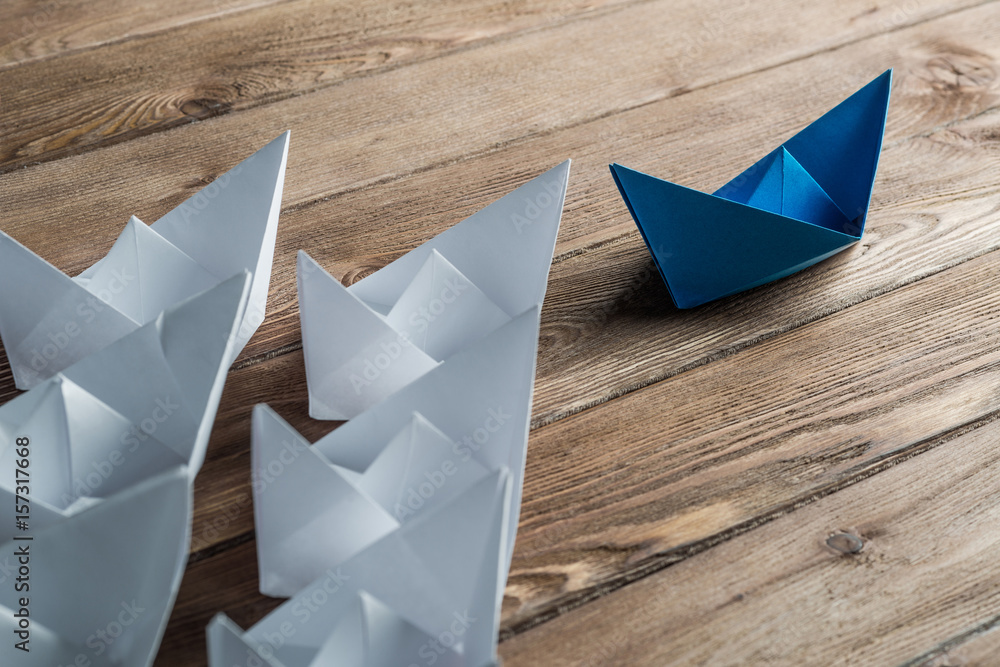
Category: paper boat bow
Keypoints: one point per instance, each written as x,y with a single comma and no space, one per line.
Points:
111,446
364,342
315,506
431,589
805,201
102,580
49,321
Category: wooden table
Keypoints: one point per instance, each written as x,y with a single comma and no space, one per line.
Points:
808,473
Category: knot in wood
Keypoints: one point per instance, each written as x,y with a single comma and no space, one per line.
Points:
845,543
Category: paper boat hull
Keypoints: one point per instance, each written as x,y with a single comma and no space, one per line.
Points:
801,204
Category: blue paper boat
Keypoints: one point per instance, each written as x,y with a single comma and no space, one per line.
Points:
805,201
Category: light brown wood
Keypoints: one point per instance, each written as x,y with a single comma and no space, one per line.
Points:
33,30
624,325
404,129
795,592
662,437
595,214
300,47
595,308
734,443
976,648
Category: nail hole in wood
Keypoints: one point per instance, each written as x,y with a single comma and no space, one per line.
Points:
845,543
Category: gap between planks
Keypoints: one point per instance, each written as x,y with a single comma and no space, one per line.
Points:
784,595
595,14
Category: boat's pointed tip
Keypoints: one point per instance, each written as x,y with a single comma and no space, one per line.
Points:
885,78
277,147
305,264
261,410
882,83
561,170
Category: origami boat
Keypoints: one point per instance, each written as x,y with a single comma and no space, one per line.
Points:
316,506
49,321
427,593
103,579
113,444
140,406
364,342
805,201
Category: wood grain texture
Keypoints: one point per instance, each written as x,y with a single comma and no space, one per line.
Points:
605,329
662,438
795,592
33,29
440,110
975,648
630,317
352,225
715,451
618,316
247,59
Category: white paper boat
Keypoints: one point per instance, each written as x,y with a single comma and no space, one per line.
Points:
138,407
411,453
49,321
364,342
429,590
113,444
101,580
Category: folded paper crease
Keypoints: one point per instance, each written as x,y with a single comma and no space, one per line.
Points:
365,342
51,321
802,203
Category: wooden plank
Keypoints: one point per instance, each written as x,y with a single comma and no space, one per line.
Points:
722,450
722,446
350,227
31,30
712,452
602,330
371,129
976,647
795,592
596,309
242,61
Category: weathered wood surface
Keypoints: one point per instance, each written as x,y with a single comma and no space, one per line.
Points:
662,436
37,29
137,87
900,560
978,646
620,490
